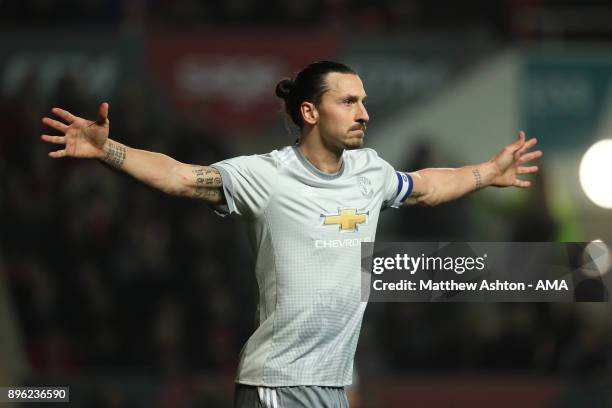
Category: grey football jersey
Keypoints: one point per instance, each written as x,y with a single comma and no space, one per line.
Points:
306,228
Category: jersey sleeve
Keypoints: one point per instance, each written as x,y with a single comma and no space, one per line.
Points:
246,185
398,186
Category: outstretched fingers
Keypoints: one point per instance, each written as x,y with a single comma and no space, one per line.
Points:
67,116
57,125
528,145
58,154
54,139
520,142
530,156
521,183
515,147
523,155
527,170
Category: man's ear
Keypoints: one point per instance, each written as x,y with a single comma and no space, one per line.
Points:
309,113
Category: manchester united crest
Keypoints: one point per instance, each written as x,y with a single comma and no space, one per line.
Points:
365,186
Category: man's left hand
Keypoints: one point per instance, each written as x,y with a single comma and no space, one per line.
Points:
508,163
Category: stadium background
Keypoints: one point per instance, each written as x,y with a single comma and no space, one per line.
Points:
137,299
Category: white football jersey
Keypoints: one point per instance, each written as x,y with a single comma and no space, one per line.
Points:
306,228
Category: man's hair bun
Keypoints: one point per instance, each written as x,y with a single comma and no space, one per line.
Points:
284,87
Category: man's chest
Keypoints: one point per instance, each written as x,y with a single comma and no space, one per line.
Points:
330,211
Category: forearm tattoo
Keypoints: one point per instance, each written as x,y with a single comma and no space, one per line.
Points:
115,154
477,178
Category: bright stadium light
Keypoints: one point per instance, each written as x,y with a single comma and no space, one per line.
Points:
595,171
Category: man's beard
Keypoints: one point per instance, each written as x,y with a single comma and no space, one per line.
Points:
356,143
353,146
353,143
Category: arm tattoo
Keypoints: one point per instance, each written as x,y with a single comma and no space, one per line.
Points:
115,155
206,176
208,194
207,181
477,178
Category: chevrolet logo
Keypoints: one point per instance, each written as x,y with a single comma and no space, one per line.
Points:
348,220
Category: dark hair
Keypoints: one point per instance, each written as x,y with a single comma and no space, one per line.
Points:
309,84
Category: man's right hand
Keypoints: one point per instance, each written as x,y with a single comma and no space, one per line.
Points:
81,138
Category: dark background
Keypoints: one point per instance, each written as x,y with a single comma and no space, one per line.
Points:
134,298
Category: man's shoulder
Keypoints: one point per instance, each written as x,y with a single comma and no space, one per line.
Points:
363,153
275,157
262,160
363,157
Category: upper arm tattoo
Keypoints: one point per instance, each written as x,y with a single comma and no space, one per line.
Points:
209,194
207,176
207,183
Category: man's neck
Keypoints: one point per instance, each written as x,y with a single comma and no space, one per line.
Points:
325,158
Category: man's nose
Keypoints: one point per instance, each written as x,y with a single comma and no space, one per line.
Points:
362,114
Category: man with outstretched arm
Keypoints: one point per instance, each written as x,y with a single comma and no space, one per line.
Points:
307,207
86,139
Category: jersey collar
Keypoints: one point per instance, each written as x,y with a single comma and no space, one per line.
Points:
311,168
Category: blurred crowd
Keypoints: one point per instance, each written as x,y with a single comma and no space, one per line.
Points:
507,19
